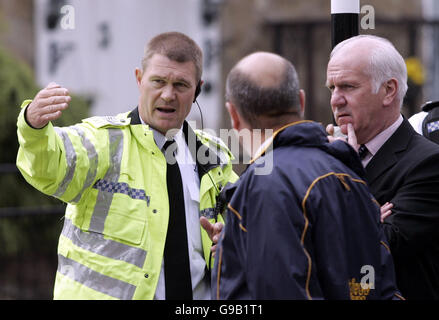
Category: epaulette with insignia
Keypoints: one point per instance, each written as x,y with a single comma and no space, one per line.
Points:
100,122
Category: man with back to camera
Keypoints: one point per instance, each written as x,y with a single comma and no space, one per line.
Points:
309,229
134,184
367,78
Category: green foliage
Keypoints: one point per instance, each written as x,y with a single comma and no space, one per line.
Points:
36,233
17,84
27,242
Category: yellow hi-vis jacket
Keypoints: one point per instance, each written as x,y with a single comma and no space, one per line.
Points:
113,177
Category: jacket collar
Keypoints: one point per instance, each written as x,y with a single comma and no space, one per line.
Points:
312,134
189,135
134,115
390,152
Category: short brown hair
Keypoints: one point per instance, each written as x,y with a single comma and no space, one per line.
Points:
177,47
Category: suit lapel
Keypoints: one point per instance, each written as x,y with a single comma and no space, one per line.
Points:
390,152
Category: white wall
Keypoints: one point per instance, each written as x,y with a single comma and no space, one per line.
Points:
107,74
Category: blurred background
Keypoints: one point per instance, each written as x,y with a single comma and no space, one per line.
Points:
92,47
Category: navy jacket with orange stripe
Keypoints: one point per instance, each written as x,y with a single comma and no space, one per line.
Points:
302,224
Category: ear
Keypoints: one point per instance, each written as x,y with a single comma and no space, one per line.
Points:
302,99
139,75
234,116
197,90
391,91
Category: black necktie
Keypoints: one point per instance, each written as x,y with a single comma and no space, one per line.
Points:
362,151
178,283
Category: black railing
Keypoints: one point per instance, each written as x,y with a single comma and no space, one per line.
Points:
28,246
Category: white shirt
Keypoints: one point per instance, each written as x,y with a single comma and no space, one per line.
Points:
377,142
191,191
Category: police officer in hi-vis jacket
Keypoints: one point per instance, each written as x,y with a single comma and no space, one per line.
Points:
135,188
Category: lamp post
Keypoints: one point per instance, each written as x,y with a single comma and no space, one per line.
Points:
344,20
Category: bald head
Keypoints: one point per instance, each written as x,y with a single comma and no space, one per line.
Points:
264,69
264,85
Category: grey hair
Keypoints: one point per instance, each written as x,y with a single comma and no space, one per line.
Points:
385,63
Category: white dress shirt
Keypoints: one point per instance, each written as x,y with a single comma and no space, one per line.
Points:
191,190
376,143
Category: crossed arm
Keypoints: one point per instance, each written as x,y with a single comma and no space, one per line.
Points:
386,209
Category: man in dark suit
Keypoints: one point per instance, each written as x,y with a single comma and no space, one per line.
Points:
367,78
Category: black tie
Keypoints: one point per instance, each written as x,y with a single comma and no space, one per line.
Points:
177,270
362,151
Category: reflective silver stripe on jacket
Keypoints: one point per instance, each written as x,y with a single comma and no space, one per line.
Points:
95,242
93,158
95,280
104,199
71,162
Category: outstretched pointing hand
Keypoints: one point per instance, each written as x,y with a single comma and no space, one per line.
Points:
47,105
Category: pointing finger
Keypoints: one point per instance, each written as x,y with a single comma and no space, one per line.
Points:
53,85
352,138
207,226
54,108
58,91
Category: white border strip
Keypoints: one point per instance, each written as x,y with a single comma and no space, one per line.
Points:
345,6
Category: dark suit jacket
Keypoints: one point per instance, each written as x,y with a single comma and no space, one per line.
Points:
405,172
